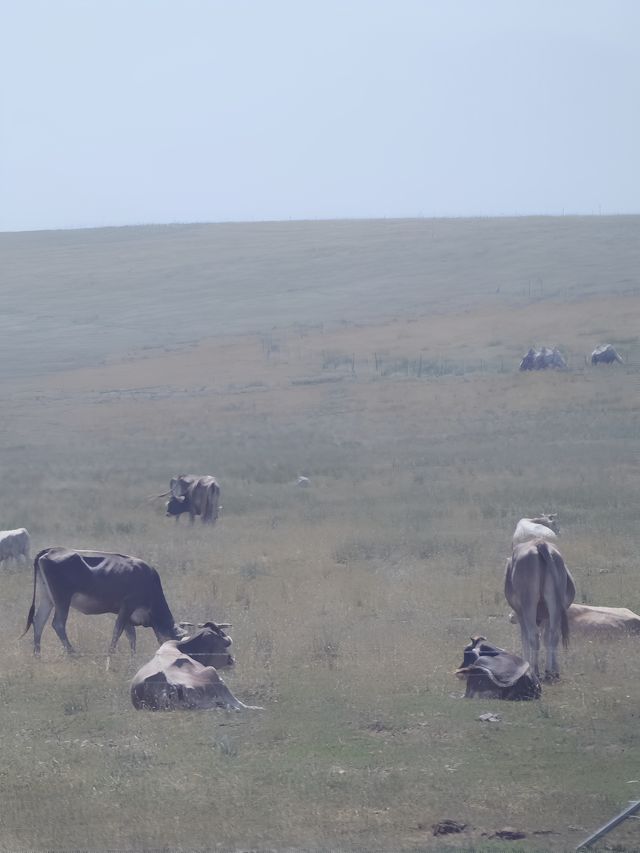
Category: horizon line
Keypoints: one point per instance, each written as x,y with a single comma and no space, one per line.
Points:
302,220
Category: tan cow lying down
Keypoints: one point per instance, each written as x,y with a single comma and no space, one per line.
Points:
543,527
591,621
173,680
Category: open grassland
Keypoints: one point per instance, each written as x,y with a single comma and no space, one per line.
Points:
351,600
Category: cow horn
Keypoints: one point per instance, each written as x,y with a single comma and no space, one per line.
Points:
155,497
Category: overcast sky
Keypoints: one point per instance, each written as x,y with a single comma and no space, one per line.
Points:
139,111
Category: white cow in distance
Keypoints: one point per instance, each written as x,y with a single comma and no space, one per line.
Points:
543,527
15,545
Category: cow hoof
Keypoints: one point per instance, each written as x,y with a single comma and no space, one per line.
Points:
550,677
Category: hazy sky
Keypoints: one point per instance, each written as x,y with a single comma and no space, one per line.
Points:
138,111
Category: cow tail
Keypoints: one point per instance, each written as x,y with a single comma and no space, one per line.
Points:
547,557
564,628
32,609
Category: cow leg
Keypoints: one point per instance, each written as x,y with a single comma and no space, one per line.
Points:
130,631
59,625
122,623
530,638
43,610
552,641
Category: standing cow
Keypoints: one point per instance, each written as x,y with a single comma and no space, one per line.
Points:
195,495
98,582
15,545
540,589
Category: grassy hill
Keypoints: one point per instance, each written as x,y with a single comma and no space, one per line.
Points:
77,297
380,359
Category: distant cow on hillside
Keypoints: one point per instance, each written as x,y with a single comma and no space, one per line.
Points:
543,358
15,545
195,495
605,354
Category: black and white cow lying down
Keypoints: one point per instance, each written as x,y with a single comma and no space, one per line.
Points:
493,673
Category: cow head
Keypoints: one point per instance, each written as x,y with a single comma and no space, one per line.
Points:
549,520
528,361
169,631
179,486
208,644
176,506
470,655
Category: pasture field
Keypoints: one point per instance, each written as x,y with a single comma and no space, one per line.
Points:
380,360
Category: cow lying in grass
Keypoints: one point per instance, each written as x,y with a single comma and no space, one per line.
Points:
591,621
493,673
176,679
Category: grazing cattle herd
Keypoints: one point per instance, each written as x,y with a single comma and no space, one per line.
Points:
548,357
183,673
541,359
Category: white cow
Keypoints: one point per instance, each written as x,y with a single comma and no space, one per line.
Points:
593,621
14,545
543,527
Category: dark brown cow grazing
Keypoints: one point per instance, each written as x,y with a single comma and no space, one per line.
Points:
493,673
539,588
172,680
195,495
98,582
